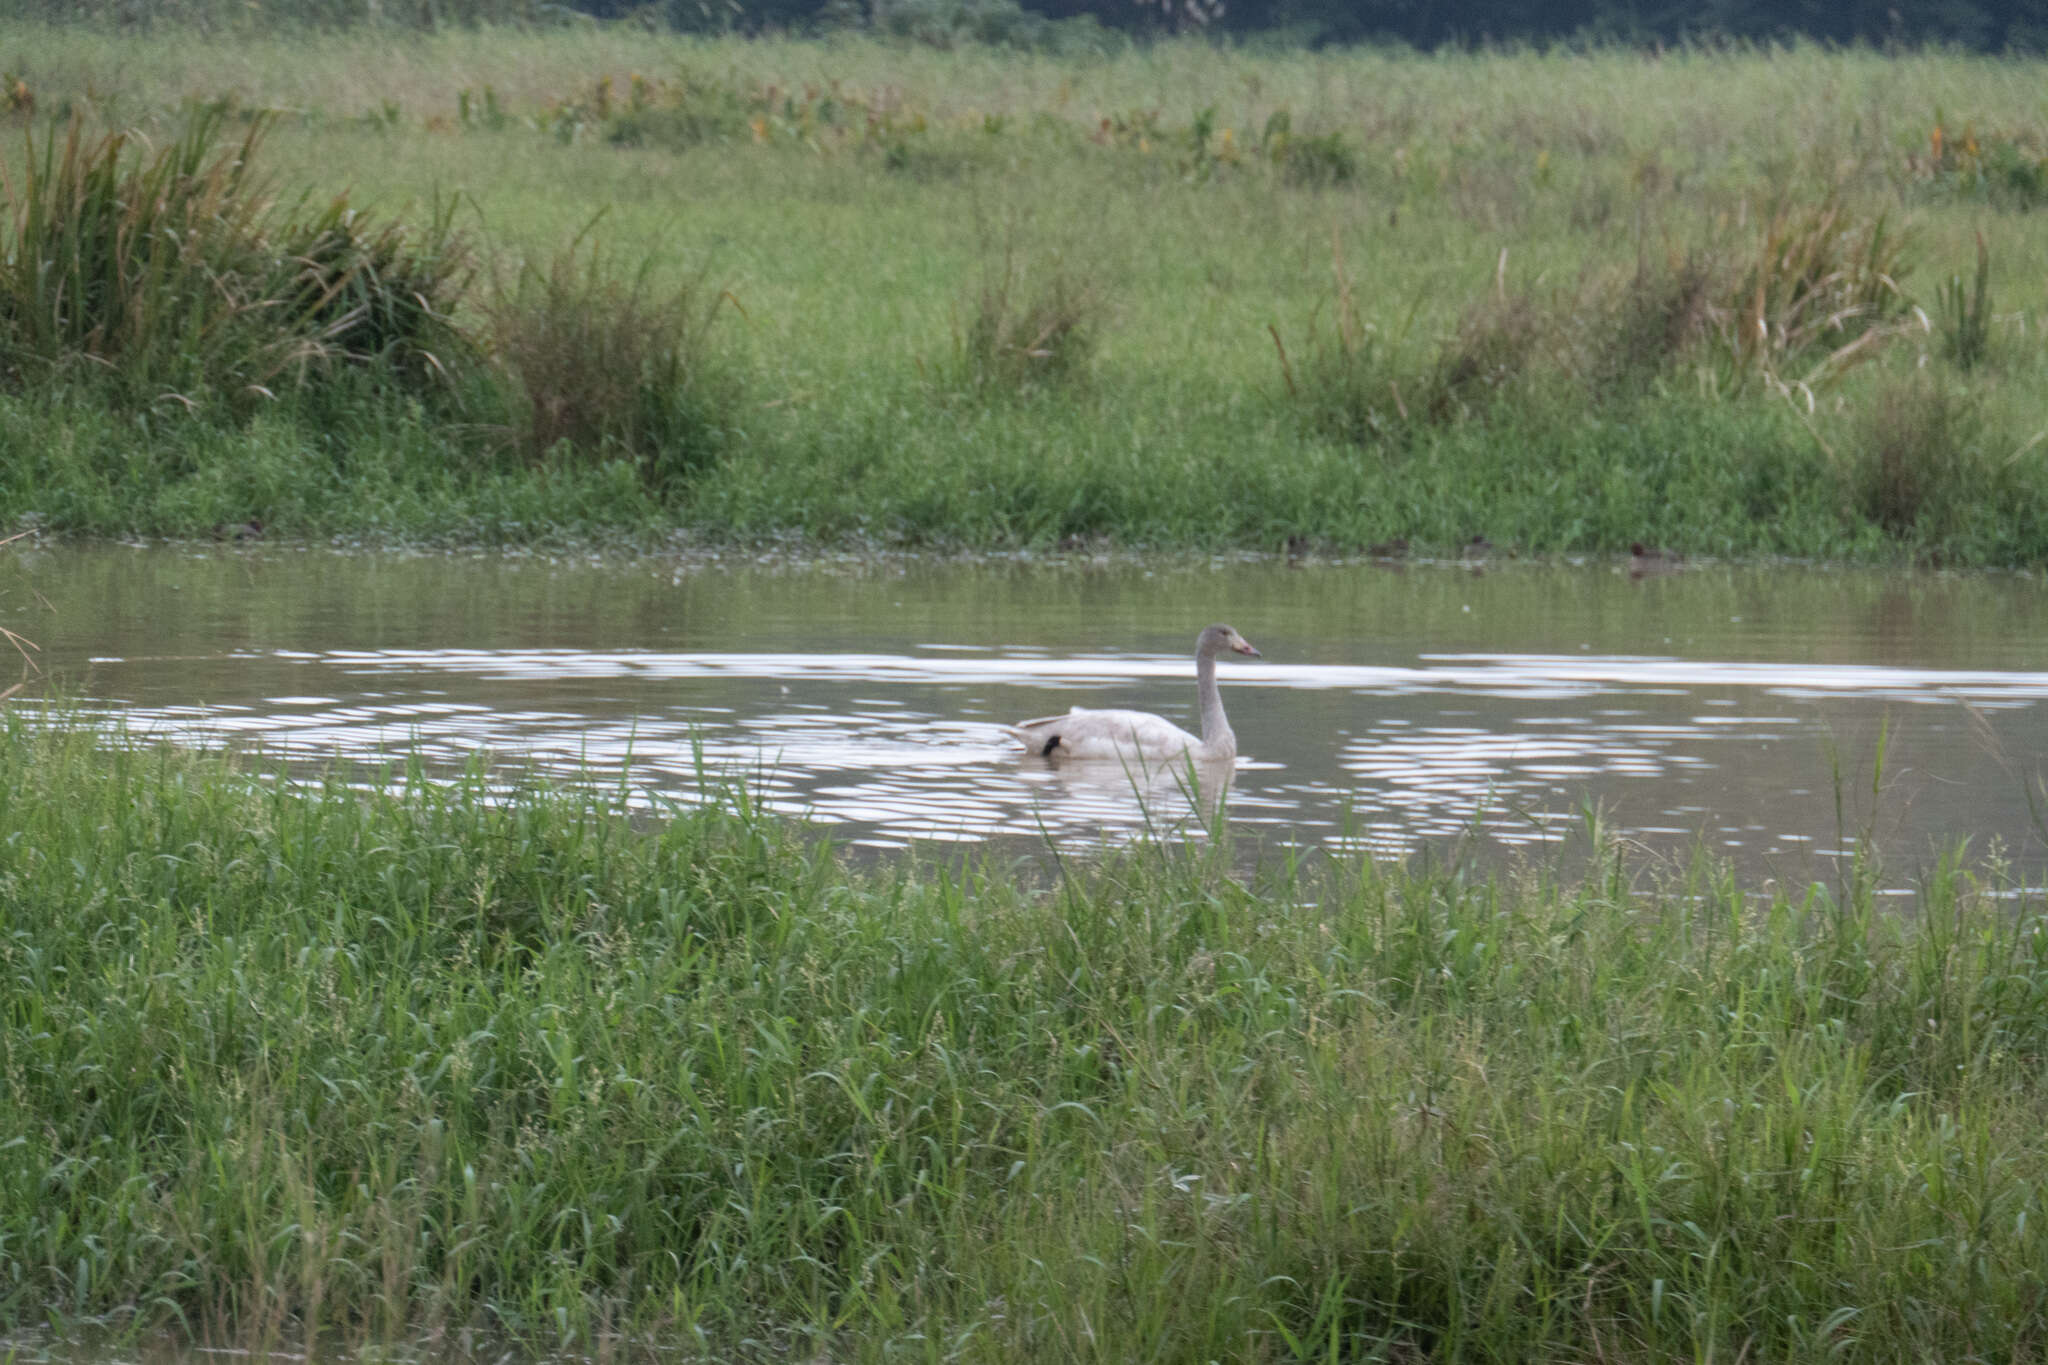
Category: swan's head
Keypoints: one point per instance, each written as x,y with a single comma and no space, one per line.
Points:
1219,638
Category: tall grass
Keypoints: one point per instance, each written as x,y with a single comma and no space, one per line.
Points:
174,271
609,365
424,1057
1023,332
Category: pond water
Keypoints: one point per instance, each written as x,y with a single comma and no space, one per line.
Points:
1394,706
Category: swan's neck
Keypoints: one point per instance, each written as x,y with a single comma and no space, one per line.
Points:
1216,734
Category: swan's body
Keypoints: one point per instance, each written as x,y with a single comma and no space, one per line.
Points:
1082,733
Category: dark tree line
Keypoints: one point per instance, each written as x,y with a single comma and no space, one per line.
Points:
1435,23
1982,25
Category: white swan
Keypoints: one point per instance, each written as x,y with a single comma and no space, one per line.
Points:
1138,734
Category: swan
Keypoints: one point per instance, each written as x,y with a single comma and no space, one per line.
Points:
1083,733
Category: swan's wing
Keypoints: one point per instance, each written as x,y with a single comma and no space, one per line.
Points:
1034,733
1041,736
1104,734
1025,729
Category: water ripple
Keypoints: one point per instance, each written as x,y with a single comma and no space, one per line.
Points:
894,746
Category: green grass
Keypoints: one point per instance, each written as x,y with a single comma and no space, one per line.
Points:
1231,299
283,1060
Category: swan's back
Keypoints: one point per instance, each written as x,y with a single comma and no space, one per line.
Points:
1111,734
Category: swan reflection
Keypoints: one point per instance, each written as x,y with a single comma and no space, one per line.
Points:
1163,794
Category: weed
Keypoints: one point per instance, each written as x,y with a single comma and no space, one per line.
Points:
1646,324
487,112
1024,333
381,294
1914,460
1501,339
23,647
685,114
610,365
1351,390
1966,314
1315,160
2009,170
948,24
1617,356
1819,294
916,154
1498,340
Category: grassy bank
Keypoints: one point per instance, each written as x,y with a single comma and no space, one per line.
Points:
275,1060
1179,296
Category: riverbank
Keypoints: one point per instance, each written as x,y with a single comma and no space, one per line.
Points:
1178,297
431,1056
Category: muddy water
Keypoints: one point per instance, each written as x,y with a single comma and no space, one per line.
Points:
1392,708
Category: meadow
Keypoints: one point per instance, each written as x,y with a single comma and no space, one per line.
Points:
428,1061
607,285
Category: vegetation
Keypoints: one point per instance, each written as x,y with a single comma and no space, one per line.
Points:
398,1056
287,1059
609,363
175,272
613,286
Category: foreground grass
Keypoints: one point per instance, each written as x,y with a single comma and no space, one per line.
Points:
1178,297
276,1060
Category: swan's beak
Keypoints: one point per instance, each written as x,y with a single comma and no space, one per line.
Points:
1245,647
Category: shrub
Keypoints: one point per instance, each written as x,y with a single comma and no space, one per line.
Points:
608,365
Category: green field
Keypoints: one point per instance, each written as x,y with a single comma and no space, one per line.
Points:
278,1062
842,293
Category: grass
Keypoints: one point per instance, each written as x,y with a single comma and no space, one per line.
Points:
172,275
287,1060
608,367
1250,299
1024,334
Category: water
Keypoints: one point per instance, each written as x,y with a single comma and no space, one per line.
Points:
1393,708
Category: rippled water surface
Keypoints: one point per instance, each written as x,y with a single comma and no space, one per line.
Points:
1392,707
